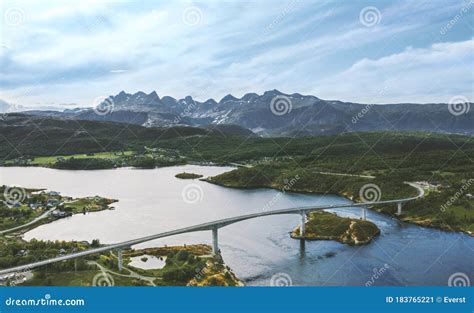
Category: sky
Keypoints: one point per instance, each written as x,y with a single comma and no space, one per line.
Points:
63,54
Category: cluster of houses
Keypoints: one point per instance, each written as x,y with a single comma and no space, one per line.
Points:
163,153
35,202
38,201
435,185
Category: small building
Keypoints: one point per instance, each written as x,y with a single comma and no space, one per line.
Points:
22,252
60,214
35,206
52,202
435,183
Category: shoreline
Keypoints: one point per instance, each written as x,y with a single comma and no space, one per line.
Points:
214,272
330,223
408,220
345,195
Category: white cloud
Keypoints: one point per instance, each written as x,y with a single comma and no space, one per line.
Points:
433,74
75,51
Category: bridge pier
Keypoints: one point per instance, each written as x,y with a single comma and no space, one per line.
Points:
215,246
399,208
120,259
303,224
363,214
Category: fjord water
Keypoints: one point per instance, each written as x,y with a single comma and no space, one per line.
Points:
151,201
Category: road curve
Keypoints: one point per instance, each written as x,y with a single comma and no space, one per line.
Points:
205,226
39,218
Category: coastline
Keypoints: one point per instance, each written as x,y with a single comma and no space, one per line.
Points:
404,219
214,272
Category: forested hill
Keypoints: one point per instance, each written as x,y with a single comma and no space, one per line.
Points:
26,135
35,136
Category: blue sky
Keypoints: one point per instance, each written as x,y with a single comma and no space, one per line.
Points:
67,53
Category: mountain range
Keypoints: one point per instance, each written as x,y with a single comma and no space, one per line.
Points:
274,113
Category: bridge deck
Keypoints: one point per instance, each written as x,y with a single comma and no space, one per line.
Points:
202,227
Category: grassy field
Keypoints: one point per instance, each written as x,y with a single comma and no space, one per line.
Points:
90,204
391,158
47,161
396,159
185,265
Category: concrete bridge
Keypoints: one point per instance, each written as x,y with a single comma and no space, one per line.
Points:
214,227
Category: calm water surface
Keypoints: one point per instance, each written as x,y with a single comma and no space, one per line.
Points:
151,201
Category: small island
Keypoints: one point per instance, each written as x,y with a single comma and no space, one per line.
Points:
328,226
185,175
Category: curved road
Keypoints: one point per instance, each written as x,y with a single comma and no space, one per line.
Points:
39,218
213,226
